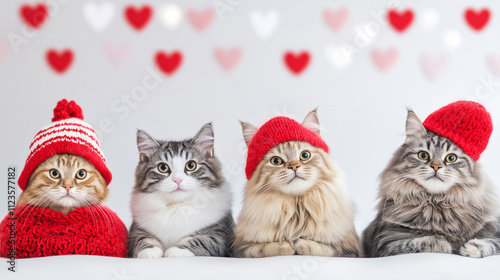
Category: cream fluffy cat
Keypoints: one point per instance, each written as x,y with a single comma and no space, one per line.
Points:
283,215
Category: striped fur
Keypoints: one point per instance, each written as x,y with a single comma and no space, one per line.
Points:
192,218
44,191
451,210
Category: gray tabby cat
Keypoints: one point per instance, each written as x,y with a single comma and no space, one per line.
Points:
181,205
433,198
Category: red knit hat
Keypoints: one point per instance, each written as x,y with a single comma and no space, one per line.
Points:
278,130
465,123
68,134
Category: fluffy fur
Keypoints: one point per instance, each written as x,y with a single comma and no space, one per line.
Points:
287,212
180,212
66,192
433,205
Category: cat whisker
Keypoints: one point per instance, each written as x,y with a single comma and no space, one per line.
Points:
92,201
43,202
86,207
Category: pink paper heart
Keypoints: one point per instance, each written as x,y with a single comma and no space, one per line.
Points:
200,20
4,48
116,53
493,62
434,67
336,19
384,59
228,59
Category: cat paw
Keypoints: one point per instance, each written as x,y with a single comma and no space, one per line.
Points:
471,249
277,249
176,252
431,244
150,253
310,248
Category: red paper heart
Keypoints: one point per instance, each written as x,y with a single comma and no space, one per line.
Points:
296,63
59,61
168,63
34,16
138,18
477,20
400,21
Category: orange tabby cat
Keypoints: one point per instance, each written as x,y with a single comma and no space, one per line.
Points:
64,183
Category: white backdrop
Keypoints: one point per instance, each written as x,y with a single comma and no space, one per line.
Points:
438,59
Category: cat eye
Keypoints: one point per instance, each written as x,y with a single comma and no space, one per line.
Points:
305,155
54,174
276,161
451,158
190,165
423,156
163,167
81,174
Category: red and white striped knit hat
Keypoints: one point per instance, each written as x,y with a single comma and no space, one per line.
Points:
68,134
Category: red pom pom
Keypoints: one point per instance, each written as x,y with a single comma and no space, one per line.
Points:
66,110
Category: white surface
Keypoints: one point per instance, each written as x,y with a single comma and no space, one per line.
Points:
416,266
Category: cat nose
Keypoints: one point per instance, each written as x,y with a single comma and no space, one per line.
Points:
436,164
294,167
67,187
177,181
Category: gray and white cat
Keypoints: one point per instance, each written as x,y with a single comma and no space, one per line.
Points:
181,204
433,198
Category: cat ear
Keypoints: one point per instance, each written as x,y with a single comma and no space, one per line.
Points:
414,127
146,145
311,122
204,139
249,131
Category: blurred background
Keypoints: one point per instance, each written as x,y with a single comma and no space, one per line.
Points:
168,67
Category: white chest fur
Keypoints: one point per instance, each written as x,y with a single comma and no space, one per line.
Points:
171,223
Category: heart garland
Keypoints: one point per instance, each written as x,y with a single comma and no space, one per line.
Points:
228,59
264,23
60,61
116,53
34,16
477,20
99,16
296,63
200,20
168,63
434,67
138,18
171,16
336,19
384,59
400,21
